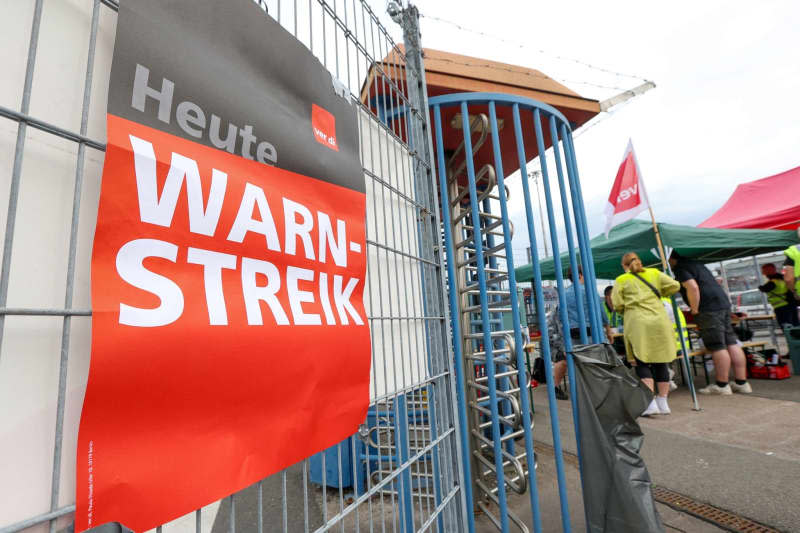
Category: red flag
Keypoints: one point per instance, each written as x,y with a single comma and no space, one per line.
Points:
628,197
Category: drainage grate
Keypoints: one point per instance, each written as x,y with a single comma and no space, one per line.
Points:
709,513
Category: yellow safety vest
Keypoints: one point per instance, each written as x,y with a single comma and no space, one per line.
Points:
668,302
778,297
793,253
614,318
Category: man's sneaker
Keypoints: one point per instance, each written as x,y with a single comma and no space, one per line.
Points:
561,394
742,389
672,386
716,389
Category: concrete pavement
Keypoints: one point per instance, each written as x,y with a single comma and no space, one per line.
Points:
550,508
740,453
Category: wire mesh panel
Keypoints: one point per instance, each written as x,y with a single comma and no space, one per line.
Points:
401,470
482,139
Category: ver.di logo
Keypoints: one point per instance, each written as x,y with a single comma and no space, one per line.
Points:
323,124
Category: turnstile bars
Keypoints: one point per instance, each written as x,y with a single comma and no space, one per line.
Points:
490,362
494,419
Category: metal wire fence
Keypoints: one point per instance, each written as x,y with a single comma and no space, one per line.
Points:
401,470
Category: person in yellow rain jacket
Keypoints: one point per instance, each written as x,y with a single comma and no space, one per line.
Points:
649,337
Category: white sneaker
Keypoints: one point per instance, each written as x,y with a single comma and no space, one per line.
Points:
742,389
663,406
672,386
652,409
716,389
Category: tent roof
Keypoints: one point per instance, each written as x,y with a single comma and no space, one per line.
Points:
768,203
703,244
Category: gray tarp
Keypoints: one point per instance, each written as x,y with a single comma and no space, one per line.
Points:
617,494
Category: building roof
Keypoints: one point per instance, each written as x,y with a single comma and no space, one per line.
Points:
448,73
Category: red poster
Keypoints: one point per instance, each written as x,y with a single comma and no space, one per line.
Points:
229,336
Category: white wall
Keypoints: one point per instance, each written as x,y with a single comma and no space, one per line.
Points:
394,281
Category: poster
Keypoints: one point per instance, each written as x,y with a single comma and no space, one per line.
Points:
229,336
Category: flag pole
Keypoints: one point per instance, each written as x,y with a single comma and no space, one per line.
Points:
678,328
658,238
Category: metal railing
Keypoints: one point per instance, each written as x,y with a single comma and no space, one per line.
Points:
403,465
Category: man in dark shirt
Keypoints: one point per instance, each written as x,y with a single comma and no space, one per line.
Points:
712,314
780,297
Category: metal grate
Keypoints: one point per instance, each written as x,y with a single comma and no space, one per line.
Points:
709,513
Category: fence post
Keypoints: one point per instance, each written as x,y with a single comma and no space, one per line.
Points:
408,19
420,142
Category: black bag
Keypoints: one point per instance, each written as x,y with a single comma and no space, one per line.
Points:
743,331
618,494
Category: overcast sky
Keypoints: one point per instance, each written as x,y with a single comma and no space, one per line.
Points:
725,110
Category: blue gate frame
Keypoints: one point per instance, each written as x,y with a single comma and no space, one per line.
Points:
486,278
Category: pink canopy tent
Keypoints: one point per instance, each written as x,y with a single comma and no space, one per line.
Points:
768,203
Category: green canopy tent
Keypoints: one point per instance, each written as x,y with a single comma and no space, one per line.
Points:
706,245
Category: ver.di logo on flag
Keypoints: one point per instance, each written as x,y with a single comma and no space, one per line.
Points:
324,125
628,196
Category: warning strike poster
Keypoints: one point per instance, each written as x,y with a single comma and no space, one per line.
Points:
229,336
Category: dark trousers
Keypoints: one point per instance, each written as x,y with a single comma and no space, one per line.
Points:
787,314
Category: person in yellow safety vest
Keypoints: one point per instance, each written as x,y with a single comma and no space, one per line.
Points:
779,296
668,308
791,268
614,318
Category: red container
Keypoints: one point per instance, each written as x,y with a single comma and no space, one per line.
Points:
769,372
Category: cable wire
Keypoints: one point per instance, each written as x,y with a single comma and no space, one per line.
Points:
539,50
602,117
527,73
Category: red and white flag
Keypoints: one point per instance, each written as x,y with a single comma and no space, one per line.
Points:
628,197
